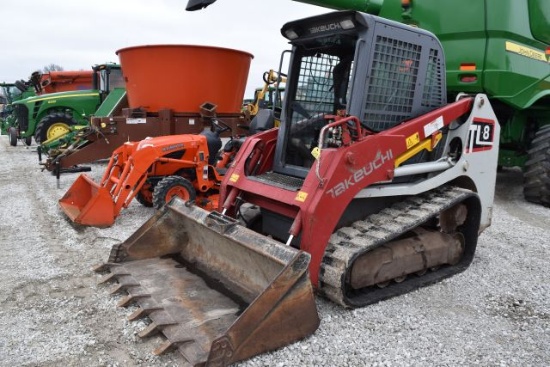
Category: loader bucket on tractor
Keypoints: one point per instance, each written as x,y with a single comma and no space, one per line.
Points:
88,203
218,291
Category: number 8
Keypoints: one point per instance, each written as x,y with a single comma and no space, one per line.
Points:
486,132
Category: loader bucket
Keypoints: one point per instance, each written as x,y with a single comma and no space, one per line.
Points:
219,292
88,203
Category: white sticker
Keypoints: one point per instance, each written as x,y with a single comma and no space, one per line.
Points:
191,121
135,121
433,126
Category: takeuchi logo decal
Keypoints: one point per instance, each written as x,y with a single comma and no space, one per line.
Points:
359,175
325,28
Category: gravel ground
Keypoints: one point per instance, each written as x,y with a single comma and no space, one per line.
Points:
497,313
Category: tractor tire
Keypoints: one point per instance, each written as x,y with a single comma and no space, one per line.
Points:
171,186
12,135
28,141
145,195
53,125
536,183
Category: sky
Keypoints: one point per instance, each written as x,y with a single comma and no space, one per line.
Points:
76,34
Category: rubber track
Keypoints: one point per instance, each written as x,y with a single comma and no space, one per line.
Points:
347,243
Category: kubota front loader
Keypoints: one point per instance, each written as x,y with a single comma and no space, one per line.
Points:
152,170
372,186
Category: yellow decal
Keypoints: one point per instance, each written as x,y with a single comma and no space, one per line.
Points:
67,96
316,152
413,140
234,177
526,51
301,196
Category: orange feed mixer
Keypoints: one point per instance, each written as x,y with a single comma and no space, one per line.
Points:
182,77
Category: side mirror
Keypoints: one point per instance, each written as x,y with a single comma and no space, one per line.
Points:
198,4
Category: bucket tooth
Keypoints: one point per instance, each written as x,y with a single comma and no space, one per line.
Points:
122,287
169,345
109,277
131,298
154,328
142,312
102,268
222,350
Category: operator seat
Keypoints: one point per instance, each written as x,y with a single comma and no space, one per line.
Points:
264,120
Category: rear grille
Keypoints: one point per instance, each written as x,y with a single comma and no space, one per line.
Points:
406,81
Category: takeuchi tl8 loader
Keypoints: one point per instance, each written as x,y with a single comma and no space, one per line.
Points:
372,186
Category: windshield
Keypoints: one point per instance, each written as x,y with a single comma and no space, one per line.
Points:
323,68
112,80
10,92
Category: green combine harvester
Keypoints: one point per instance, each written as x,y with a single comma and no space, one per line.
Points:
497,47
48,117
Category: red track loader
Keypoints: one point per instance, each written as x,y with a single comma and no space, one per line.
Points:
372,186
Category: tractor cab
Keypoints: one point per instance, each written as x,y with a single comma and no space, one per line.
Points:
107,77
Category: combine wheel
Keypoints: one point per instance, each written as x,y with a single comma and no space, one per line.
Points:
536,187
12,133
172,186
53,126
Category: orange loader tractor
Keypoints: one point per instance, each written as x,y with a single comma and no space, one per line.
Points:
156,169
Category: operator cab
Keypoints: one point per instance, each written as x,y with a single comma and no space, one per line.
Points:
108,77
397,80
321,70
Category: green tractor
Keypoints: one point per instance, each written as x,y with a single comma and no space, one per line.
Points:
53,115
11,92
497,47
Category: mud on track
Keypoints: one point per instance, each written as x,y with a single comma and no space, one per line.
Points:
52,312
